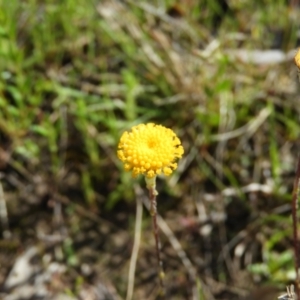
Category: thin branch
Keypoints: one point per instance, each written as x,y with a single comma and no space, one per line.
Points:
153,212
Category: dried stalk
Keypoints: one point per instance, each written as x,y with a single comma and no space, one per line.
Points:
153,212
151,186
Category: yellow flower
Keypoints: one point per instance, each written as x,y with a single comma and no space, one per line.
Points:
150,149
297,59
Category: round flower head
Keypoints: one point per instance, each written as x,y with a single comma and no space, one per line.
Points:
150,149
297,59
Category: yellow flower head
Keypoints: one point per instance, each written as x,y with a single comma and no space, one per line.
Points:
297,59
150,149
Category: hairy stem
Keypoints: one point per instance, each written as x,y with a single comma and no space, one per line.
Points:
153,212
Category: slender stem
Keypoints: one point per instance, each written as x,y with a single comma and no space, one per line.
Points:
295,225
153,212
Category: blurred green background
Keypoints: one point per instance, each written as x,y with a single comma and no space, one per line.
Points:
74,75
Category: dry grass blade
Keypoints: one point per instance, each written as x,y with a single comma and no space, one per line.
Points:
290,295
136,245
248,129
3,214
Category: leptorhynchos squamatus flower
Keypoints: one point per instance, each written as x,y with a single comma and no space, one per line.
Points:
150,149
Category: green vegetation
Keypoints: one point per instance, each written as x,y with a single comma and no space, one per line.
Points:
74,75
